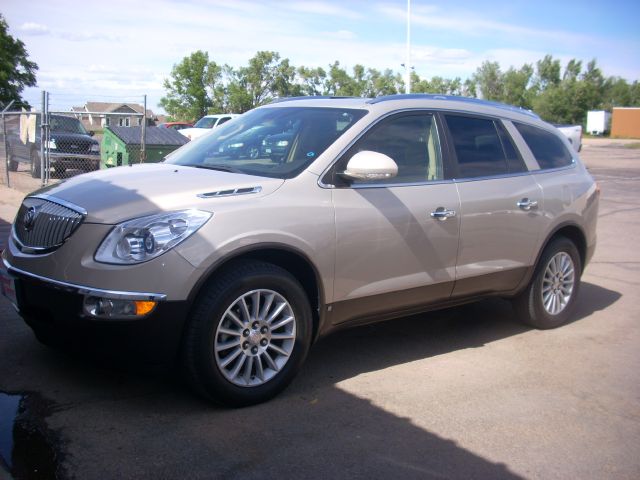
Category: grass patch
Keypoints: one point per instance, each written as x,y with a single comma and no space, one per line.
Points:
634,145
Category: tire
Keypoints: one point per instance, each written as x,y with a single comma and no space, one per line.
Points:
556,280
35,164
59,170
239,361
12,164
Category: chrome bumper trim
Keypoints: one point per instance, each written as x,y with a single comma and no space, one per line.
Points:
82,290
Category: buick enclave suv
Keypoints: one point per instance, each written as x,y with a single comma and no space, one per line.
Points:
234,265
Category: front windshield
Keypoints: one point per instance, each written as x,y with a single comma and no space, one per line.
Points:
205,122
272,142
58,123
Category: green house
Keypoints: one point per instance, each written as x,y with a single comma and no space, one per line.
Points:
121,145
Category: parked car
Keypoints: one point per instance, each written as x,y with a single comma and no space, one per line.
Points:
375,209
249,143
69,146
573,134
175,125
205,124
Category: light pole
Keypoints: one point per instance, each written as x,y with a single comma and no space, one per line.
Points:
407,63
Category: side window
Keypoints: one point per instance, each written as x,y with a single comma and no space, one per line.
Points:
223,120
411,141
514,160
548,149
478,147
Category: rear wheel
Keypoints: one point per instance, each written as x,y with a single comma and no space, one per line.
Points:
249,333
548,300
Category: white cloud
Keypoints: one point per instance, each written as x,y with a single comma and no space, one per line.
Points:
472,24
341,35
34,28
324,8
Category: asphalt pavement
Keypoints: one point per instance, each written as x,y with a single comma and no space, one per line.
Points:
461,393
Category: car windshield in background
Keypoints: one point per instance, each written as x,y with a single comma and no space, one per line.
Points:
205,122
272,142
66,124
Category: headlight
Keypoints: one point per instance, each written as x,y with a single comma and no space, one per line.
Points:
144,238
51,144
95,148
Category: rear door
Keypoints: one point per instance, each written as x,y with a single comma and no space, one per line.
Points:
501,205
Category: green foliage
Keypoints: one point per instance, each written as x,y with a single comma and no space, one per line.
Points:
190,90
16,70
558,95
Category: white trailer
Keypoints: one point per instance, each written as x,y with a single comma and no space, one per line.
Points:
598,122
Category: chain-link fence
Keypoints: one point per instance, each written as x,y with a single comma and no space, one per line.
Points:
57,141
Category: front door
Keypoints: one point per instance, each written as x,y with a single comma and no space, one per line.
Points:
392,254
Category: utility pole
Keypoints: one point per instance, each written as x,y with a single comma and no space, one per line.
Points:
143,143
407,63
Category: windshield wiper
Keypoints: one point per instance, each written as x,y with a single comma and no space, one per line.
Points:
222,168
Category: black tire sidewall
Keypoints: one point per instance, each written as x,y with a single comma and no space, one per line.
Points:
207,316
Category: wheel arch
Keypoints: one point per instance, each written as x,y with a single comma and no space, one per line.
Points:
290,259
569,230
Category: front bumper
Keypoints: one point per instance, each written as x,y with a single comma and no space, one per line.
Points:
54,311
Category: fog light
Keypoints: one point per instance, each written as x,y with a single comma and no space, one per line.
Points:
98,307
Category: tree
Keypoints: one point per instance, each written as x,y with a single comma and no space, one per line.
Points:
191,88
516,85
312,80
547,73
265,78
488,78
16,70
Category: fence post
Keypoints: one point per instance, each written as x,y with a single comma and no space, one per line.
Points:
43,135
6,144
143,140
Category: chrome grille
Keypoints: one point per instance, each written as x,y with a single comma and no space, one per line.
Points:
42,225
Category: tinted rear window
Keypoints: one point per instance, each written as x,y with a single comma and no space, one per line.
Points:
547,148
478,147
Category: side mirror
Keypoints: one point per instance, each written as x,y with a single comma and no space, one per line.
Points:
368,165
91,133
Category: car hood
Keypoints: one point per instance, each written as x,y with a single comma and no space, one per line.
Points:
194,132
63,137
118,194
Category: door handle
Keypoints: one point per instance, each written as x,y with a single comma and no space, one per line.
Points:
526,204
442,213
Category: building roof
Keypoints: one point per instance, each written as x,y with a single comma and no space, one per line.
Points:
108,107
155,135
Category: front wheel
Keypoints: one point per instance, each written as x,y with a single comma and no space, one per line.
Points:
248,335
12,164
548,300
36,168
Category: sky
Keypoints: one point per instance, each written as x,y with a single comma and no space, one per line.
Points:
118,50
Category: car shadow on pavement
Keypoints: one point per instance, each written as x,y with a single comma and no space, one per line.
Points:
117,424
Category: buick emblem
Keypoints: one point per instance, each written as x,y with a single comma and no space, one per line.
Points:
30,219
75,147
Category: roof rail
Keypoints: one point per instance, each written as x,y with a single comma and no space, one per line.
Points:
310,97
452,98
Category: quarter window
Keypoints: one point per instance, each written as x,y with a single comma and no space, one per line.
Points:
411,141
478,147
546,147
